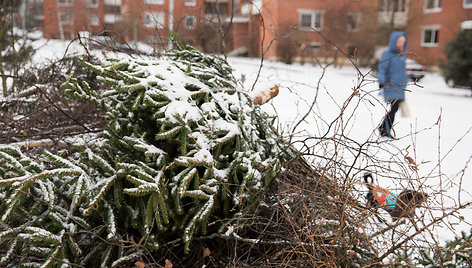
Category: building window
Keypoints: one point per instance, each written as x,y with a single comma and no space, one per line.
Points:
190,2
467,3
392,5
432,6
216,8
430,36
311,46
112,9
65,18
353,21
154,19
93,19
190,22
65,2
310,19
93,3
155,2
236,5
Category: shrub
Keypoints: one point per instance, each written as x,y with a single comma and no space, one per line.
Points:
458,69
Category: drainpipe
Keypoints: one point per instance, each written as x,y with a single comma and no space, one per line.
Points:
171,23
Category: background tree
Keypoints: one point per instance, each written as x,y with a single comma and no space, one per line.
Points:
14,49
8,10
458,68
288,43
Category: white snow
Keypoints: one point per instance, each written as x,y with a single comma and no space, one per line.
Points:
203,155
438,128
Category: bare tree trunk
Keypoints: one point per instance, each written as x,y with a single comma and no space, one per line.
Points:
2,36
2,73
220,36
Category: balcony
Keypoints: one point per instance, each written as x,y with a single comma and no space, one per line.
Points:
400,18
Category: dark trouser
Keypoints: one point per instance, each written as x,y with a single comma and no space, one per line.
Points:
387,123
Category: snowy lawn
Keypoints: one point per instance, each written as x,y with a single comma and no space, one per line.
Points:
438,127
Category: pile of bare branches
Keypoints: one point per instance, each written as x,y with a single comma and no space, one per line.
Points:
312,221
38,114
306,220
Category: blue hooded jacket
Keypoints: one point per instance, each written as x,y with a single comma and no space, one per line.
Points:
392,70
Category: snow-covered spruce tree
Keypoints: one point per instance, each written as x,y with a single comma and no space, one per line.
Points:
183,146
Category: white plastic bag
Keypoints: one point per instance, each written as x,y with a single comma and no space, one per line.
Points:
405,111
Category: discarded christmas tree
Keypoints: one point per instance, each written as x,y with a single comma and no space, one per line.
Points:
184,145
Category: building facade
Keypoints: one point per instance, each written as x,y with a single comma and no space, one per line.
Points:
434,23
304,29
295,30
128,20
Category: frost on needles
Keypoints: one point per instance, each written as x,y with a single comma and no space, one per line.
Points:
183,147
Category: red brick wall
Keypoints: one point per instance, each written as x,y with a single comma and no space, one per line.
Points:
79,12
240,35
276,14
448,19
280,15
133,18
50,19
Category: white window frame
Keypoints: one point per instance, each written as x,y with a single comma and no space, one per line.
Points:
154,2
190,3
156,19
437,6
313,14
434,31
70,20
194,18
467,4
357,21
65,3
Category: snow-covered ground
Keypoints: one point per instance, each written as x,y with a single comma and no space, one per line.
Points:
438,128
436,134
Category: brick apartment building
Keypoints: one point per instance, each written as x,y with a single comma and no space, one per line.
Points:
288,30
143,20
303,27
433,23
361,27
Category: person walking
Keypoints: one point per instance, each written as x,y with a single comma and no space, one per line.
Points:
392,78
